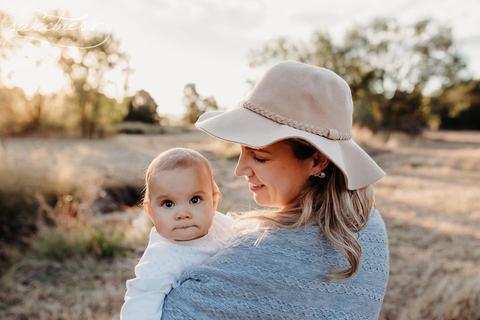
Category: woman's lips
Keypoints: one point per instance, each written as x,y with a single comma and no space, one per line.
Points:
255,187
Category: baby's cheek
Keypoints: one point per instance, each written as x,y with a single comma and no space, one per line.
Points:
207,216
163,225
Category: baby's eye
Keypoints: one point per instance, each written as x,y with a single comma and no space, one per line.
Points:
196,200
168,204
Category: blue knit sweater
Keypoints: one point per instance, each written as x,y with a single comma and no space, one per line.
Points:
281,278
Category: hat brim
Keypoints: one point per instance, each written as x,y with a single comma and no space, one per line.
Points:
248,128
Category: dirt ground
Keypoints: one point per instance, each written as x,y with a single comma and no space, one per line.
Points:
429,201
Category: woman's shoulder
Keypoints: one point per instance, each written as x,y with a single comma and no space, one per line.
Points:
374,230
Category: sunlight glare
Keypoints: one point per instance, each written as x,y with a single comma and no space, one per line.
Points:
34,69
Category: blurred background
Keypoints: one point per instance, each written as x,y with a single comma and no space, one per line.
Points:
91,92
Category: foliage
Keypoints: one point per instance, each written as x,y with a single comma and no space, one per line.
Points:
89,61
458,107
14,110
100,114
142,108
389,67
51,223
196,104
18,215
56,113
87,67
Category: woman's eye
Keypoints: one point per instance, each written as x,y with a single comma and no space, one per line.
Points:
168,204
259,160
196,200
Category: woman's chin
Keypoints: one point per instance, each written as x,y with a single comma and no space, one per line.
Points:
261,201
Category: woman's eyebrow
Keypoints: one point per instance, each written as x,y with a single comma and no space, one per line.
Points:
258,150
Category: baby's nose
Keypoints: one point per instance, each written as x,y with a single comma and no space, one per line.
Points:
183,215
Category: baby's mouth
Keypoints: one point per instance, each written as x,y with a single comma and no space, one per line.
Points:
185,227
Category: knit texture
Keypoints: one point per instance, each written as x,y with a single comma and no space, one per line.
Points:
281,278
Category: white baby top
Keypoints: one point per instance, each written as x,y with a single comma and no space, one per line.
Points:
162,264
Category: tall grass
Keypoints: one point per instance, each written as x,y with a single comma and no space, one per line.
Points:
48,215
454,296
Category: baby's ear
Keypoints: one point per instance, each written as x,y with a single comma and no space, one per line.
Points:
149,211
216,196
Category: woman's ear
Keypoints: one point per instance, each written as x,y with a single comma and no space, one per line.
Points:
320,162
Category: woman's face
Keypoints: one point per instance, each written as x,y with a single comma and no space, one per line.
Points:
275,176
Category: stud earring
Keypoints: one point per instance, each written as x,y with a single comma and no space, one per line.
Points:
320,175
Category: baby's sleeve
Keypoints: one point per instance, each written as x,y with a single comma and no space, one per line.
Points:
155,275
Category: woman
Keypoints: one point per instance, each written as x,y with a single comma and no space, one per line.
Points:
322,252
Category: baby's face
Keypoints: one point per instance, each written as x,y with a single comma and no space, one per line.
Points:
181,202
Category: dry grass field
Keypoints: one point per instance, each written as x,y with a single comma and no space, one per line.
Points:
429,200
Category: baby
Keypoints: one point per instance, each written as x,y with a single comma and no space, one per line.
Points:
181,199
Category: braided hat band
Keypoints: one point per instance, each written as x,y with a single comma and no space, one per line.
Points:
329,133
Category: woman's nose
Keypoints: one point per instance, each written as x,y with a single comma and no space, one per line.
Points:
183,215
242,168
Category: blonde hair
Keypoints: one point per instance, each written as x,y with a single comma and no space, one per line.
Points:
339,212
173,159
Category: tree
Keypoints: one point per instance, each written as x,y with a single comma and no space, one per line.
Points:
103,114
8,43
381,61
142,107
195,104
87,60
12,109
458,107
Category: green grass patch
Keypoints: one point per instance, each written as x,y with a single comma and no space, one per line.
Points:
60,244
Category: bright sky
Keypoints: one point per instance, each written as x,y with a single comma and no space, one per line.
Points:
174,42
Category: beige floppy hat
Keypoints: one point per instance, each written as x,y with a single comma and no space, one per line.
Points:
297,100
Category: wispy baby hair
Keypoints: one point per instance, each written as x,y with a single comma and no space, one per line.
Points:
173,159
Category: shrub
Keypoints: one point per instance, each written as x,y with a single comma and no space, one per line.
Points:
18,215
